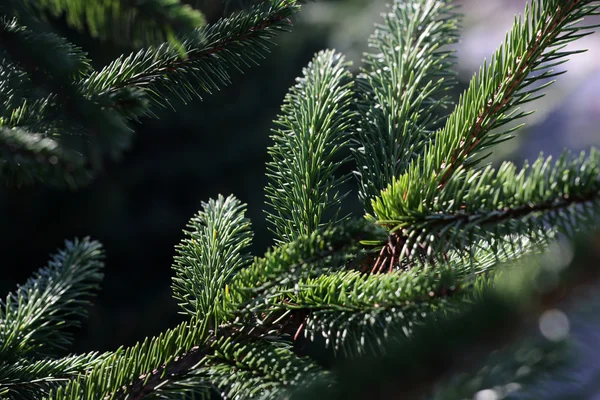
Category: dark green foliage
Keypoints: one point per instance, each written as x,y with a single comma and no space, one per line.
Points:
29,158
309,255
201,64
303,187
402,90
486,204
36,317
129,22
433,292
52,90
26,379
211,257
490,343
514,76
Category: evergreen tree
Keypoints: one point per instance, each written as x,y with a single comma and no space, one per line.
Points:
414,297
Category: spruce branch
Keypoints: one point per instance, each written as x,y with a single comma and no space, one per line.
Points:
211,256
354,312
31,157
402,90
35,319
32,379
502,319
200,64
180,366
309,255
51,56
55,66
486,204
316,115
258,369
90,110
222,360
438,227
513,77
129,22
131,368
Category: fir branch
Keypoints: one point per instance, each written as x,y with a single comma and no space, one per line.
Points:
32,379
200,64
131,368
174,371
489,204
29,158
25,106
128,22
505,311
242,368
354,291
11,87
258,369
402,89
302,188
225,361
307,256
354,312
532,47
55,66
210,258
45,56
34,320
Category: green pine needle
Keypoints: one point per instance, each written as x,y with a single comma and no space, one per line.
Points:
513,77
130,22
35,320
209,54
31,158
303,187
402,90
489,204
209,258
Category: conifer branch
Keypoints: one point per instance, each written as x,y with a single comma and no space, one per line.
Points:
402,90
259,369
28,379
29,157
54,62
210,258
34,319
178,368
200,64
309,255
55,66
534,45
507,310
231,363
302,187
120,369
489,204
130,22
424,261
354,312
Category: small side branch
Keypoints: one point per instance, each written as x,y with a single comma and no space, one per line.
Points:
179,368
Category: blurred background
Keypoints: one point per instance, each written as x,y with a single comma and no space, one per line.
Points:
139,206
